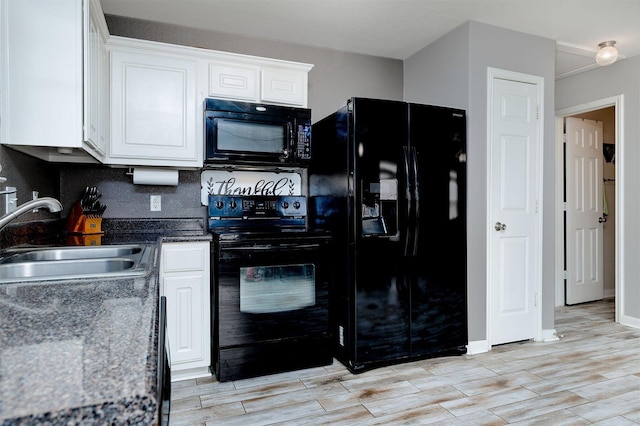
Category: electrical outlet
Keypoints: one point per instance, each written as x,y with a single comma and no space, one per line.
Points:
11,199
155,203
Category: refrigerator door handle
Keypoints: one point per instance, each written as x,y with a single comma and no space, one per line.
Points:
408,200
416,199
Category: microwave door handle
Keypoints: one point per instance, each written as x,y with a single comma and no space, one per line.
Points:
289,143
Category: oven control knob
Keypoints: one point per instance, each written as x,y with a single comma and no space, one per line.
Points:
296,205
285,205
219,205
233,204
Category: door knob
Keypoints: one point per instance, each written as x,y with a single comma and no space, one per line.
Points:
602,219
500,226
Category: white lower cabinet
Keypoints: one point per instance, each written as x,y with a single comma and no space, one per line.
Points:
184,280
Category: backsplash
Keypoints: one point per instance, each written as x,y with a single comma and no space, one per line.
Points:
126,200
28,174
67,182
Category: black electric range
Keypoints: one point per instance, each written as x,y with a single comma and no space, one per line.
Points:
270,287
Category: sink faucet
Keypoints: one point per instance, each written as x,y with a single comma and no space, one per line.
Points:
50,203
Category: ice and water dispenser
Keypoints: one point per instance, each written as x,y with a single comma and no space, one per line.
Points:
380,208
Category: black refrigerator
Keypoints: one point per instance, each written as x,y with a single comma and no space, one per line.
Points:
388,180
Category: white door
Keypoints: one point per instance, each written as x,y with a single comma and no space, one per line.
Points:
514,196
585,277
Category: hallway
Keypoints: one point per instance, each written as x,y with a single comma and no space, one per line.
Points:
590,376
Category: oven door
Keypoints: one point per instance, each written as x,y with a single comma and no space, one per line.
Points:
272,306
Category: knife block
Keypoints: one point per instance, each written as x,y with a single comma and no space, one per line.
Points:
78,223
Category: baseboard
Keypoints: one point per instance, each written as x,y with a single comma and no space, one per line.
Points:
478,347
549,335
190,373
609,293
630,321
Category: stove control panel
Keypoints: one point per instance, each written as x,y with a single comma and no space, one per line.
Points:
257,207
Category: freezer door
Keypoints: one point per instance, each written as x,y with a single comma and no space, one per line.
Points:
438,261
381,208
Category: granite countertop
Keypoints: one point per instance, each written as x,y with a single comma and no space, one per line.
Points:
84,351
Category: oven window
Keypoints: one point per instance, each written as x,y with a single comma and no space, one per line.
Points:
246,136
279,288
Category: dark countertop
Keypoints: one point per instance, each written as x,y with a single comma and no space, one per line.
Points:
84,351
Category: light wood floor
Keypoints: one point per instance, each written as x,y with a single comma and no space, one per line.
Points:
590,376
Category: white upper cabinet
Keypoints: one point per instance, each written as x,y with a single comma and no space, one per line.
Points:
52,53
252,79
234,81
284,86
96,80
70,92
155,117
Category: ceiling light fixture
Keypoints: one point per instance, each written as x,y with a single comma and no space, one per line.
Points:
607,53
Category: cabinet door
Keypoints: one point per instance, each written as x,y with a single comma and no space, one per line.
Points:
42,73
186,319
233,81
284,86
154,120
185,283
96,99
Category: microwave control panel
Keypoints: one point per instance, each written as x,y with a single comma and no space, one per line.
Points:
304,142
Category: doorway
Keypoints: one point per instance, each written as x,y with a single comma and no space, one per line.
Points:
607,113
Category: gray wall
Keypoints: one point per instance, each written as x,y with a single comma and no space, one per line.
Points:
335,77
621,78
453,71
439,73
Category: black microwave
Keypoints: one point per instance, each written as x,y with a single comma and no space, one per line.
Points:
244,132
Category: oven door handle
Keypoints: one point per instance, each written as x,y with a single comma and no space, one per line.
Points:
271,247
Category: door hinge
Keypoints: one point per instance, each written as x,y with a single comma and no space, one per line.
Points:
537,206
535,299
564,275
564,138
538,112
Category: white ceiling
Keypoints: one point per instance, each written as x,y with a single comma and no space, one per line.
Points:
399,28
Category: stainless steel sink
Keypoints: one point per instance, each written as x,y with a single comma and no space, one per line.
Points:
56,263
69,253
63,268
